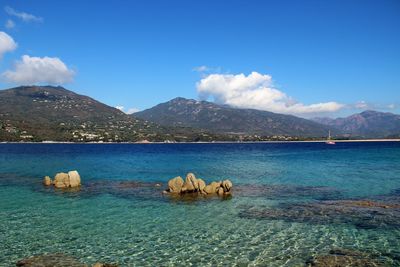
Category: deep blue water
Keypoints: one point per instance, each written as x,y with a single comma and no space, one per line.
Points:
108,221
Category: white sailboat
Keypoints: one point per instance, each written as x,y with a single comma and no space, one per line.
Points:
329,141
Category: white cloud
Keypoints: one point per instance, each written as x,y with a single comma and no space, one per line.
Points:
9,24
392,106
132,110
22,15
32,70
129,111
362,105
7,43
256,91
202,68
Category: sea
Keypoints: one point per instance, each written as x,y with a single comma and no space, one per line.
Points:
292,204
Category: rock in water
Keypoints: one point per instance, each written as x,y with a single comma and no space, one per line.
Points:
194,186
208,189
220,191
227,185
65,180
216,186
201,184
175,185
191,183
47,181
74,179
194,180
61,180
212,188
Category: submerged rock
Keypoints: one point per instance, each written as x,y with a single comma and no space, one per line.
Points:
288,191
345,257
98,264
365,214
51,260
57,260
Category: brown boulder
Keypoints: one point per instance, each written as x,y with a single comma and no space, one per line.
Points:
74,179
191,183
61,180
175,185
201,184
227,185
212,188
208,189
220,191
66,180
47,181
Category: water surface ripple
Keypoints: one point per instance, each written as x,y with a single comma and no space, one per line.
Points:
294,204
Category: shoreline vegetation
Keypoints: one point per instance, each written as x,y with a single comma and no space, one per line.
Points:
203,142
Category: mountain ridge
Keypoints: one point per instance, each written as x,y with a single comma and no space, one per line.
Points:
366,124
49,113
229,120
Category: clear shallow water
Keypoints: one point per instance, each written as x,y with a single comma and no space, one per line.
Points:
111,220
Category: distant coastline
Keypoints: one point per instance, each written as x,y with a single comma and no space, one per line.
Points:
214,142
47,113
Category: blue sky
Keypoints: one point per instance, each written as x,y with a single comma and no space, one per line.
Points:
308,57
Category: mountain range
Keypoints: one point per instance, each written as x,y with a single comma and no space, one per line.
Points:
228,120
367,124
43,113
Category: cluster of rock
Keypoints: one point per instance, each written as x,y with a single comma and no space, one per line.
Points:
64,180
196,185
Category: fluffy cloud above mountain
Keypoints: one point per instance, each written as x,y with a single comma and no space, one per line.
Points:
34,70
256,91
7,44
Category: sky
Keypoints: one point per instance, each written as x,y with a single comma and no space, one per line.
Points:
307,58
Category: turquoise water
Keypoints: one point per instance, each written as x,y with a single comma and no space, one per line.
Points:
121,216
